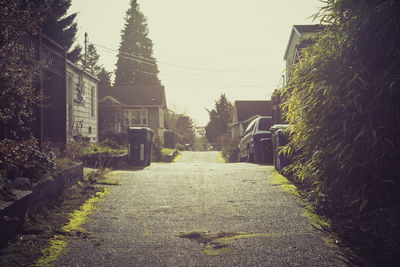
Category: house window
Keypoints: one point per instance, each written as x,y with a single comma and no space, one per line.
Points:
144,117
118,127
92,101
135,117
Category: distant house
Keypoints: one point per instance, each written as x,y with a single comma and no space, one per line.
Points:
299,38
81,104
244,111
134,106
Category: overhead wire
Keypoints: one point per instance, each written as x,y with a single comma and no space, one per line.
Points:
153,62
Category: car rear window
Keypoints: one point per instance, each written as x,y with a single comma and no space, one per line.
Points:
265,124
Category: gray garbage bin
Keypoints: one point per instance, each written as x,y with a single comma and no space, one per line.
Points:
282,160
266,151
276,132
139,146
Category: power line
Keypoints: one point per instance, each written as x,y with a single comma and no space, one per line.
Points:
224,55
144,60
218,85
151,60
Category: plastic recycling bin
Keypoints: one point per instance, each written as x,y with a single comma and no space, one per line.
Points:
139,146
266,151
278,140
282,160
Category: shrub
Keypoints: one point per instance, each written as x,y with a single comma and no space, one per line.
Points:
120,138
180,147
26,155
229,147
156,149
342,104
110,142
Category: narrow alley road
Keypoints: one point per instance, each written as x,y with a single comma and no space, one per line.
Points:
198,212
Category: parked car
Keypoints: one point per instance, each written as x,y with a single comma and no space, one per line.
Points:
253,139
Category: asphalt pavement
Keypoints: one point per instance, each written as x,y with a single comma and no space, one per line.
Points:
198,212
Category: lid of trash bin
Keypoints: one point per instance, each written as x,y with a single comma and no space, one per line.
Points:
134,129
278,126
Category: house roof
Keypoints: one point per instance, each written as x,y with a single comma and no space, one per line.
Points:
81,70
246,109
300,30
109,101
139,95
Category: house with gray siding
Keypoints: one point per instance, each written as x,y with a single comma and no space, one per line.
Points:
81,103
300,37
138,106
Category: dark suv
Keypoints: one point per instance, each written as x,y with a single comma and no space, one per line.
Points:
250,146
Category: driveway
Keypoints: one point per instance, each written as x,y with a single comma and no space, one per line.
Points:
198,212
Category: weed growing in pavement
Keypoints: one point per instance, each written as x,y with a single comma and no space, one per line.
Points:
221,158
47,230
75,225
177,157
216,243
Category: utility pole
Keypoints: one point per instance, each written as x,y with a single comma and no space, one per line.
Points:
86,41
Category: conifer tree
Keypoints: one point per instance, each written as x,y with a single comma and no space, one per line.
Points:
136,64
219,119
61,27
91,64
104,84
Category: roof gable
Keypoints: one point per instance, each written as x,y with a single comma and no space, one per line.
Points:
302,31
109,100
139,95
246,109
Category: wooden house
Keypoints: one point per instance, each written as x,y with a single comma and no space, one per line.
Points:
134,106
299,38
81,104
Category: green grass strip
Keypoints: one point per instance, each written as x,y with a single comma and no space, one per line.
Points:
58,243
221,159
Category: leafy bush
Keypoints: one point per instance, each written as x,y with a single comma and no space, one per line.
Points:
73,150
343,106
110,142
96,149
229,148
156,149
180,147
166,151
119,138
26,155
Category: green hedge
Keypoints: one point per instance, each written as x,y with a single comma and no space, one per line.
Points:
342,104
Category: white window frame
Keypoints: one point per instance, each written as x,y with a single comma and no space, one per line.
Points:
137,116
145,117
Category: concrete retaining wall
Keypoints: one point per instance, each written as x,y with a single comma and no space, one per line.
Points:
105,161
29,201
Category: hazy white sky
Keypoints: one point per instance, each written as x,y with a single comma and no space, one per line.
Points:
204,48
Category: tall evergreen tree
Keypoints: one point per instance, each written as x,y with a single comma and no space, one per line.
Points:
92,60
136,64
185,127
61,27
219,119
104,84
